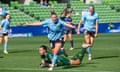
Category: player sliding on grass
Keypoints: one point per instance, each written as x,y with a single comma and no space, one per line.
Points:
90,21
46,57
55,34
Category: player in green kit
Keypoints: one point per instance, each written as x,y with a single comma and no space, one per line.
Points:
46,57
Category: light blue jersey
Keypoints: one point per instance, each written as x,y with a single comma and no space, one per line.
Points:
55,29
5,25
90,21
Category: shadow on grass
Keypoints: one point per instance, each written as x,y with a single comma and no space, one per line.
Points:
1,57
69,67
78,48
105,57
77,66
20,51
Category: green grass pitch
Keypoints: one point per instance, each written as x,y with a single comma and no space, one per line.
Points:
24,57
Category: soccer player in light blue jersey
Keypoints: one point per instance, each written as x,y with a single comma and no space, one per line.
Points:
5,27
90,20
55,34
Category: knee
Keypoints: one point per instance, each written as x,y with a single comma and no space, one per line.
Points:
0,41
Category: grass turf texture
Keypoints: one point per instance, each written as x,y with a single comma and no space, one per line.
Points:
24,57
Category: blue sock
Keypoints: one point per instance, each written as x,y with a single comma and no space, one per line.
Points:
54,60
62,51
89,51
5,46
72,45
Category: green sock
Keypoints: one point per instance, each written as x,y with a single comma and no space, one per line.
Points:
79,55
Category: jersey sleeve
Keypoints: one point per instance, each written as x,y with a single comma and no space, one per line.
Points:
83,17
70,20
97,18
45,23
63,23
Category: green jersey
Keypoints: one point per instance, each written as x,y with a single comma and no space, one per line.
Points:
48,57
61,61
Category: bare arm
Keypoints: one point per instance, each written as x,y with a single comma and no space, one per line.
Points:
78,32
69,25
96,33
0,27
34,24
42,61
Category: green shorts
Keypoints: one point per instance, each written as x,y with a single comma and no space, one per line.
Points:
62,61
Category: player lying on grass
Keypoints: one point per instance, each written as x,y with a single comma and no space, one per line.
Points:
55,34
46,57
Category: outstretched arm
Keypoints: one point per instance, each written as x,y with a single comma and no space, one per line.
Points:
69,25
0,26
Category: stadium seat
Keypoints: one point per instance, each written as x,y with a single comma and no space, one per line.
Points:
19,15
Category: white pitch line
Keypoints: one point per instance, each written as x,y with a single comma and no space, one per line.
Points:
58,70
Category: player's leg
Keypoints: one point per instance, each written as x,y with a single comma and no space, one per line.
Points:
87,38
64,40
71,41
62,50
1,39
77,59
91,41
87,41
6,43
81,53
1,36
90,47
1,42
75,62
55,50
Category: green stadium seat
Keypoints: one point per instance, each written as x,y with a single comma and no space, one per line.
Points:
105,13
